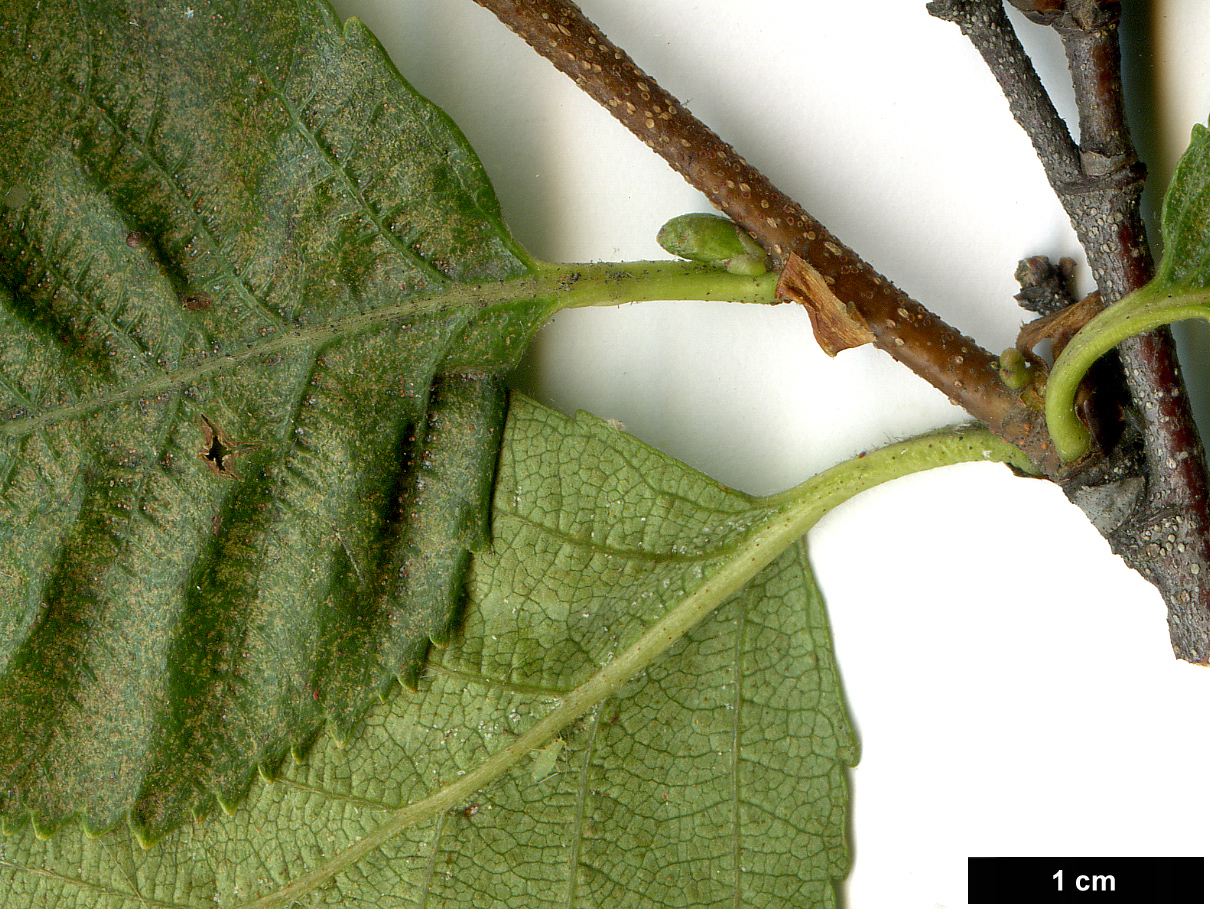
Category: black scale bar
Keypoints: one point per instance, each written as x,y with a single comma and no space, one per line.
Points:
1086,881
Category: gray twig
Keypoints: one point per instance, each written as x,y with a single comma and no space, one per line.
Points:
1166,535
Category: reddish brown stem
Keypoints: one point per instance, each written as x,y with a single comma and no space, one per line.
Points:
909,332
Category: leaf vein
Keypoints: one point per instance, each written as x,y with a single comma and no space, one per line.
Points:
737,705
580,811
633,555
180,196
347,182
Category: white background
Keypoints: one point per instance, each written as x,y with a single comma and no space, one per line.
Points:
1011,680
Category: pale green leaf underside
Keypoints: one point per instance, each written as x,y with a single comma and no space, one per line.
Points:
242,453
715,777
719,768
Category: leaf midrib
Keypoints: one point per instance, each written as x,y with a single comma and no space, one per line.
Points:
471,298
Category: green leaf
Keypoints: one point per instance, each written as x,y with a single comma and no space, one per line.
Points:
1186,217
249,415
1180,290
666,629
254,297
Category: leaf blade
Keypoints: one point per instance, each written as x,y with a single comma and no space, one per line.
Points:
403,816
482,688
222,227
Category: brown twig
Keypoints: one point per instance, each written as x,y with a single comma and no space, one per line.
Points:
826,273
1100,183
1166,534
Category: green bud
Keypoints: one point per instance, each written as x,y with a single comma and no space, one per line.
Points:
715,241
751,266
1013,370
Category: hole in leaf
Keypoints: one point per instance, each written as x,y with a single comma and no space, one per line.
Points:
218,451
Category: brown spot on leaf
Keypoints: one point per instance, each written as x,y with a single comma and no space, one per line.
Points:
197,302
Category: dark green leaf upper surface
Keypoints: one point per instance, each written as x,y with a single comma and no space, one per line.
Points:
242,451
